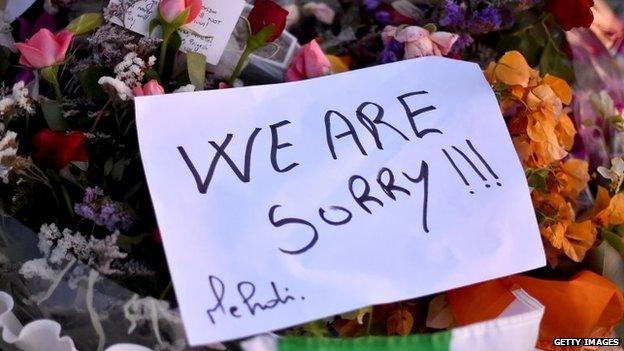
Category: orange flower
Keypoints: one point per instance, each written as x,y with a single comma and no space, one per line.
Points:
572,177
607,210
558,226
512,69
543,98
560,87
565,131
571,238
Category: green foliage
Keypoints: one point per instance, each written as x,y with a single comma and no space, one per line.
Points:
537,179
52,113
85,23
196,65
613,239
89,83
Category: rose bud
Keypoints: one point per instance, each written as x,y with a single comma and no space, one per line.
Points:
170,10
266,13
44,49
150,88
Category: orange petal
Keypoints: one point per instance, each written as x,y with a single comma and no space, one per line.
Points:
560,87
512,69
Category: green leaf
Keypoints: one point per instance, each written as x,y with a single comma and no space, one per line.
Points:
613,240
152,25
196,65
89,82
537,179
108,166
554,62
181,18
119,167
530,47
260,39
85,23
126,242
52,113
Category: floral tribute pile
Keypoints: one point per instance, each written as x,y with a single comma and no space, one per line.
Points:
70,169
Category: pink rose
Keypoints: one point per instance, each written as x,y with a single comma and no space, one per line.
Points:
309,62
171,9
44,49
420,42
150,88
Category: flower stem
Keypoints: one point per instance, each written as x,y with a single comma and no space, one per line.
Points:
95,318
50,76
240,64
163,51
57,280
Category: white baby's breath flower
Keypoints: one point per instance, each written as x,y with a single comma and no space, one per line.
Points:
6,105
8,154
131,69
37,268
116,87
185,89
151,61
22,97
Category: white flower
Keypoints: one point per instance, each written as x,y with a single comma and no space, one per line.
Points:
22,97
148,310
106,251
18,102
131,70
37,268
615,174
6,105
185,89
116,86
8,153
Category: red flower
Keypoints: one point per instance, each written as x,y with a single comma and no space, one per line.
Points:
571,13
265,13
58,149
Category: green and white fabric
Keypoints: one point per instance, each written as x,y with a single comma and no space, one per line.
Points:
516,329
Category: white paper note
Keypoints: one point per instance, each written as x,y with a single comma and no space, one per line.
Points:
318,209
208,34
15,8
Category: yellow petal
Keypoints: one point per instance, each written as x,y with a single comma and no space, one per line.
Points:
512,69
560,87
337,65
565,131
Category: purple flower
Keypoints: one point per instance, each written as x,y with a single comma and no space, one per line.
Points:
371,5
454,15
464,41
103,211
489,19
383,17
392,52
92,194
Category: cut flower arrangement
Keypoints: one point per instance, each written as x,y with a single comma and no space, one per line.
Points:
79,243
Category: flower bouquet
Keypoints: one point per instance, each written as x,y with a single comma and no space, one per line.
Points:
81,261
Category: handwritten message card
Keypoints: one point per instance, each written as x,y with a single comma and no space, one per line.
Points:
286,203
208,34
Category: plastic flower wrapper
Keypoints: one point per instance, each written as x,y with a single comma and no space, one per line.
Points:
92,309
599,98
265,65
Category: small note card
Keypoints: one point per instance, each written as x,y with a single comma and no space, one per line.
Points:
208,34
285,203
